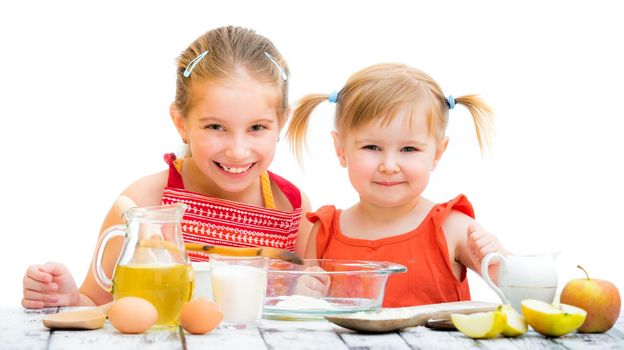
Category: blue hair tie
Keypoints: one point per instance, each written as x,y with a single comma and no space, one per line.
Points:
450,100
333,97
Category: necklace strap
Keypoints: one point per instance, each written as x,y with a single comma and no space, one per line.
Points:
267,194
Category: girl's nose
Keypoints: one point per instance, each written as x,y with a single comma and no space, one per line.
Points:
389,168
238,149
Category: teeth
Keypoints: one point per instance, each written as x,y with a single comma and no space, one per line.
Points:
234,170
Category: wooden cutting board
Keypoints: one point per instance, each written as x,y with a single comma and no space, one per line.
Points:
392,319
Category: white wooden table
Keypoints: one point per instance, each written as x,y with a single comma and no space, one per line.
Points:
23,329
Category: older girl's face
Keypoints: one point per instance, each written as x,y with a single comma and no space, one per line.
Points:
390,165
232,128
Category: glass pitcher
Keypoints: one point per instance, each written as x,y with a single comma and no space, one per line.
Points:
153,264
523,277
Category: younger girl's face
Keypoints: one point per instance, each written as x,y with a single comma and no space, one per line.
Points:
232,128
390,165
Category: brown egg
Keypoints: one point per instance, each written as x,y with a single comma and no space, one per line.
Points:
132,315
200,316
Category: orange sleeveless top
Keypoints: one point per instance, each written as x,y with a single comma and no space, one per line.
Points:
429,278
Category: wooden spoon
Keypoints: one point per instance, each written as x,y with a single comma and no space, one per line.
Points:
274,253
269,252
92,318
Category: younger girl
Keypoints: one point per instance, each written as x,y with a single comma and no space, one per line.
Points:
390,122
230,105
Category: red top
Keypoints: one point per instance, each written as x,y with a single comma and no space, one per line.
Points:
228,223
429,278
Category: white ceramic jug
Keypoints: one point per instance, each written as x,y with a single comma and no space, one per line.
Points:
523,277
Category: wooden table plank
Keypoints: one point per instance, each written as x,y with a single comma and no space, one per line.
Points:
425,338
529,341
108,338
300,335
374,341
23,329
226,338
612,339
297,340
577,341
421,337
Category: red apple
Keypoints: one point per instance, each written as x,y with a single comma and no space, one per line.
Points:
600,298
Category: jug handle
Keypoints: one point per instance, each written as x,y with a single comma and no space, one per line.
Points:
100,277
485,272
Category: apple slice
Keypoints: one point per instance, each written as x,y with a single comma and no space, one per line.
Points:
516,324
551,320
480,325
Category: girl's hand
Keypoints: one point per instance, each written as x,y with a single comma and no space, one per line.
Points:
482,243
49,285
313,285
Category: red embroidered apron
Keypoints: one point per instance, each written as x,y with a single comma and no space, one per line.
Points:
227,223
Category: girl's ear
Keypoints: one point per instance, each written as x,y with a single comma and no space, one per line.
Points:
339,147
179,121
440,151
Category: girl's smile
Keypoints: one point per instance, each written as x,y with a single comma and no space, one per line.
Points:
388,183
235,169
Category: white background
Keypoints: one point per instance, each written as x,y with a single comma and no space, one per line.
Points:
85,89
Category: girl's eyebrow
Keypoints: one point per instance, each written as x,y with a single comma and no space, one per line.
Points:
264,121
210,119
415,142
215,119
406,141
366,141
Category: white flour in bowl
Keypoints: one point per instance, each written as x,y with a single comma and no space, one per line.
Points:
302,302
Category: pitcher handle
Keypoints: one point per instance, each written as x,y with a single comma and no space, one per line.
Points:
100,277
485,272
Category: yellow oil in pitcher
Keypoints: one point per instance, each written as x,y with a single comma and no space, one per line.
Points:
167,287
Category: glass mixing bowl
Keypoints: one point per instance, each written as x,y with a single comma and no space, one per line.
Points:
323,287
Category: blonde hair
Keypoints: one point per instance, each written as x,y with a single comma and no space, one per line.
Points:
231,48
379,92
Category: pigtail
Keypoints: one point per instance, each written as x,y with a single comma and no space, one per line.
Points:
482,116
298,127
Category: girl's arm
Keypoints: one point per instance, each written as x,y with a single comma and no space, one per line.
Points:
468,242
310,251
305,226
144,192
313,285
90,289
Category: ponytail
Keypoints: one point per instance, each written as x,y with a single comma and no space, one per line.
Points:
482,116
298,127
